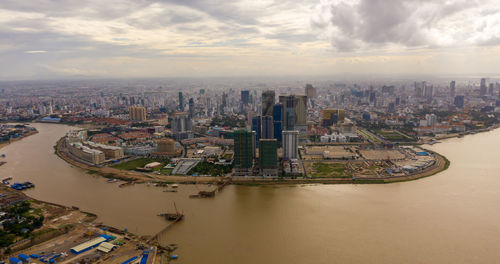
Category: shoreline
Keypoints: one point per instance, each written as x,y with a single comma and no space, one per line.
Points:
442,163
129,176
4,144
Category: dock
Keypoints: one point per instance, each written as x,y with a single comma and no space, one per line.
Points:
160,237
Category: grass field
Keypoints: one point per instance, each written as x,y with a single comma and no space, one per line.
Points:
140,162
331,170
393,135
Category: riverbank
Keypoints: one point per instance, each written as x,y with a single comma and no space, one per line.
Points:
65,227
459,135
12,140
127,175
441,164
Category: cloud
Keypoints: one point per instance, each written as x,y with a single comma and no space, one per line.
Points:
375,24
35,51
169,37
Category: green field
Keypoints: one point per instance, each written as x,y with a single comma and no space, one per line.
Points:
332,170
393,135
140,162
207,168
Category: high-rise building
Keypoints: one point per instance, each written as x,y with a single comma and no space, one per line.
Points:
419,92
181,102
243,151
294,112
278,129
181,123
288,116
290,144
301,113
278,121
332,116
267,127
278,112
310,91
137,113
268,98
245,97
191,107
452,89
268,157
224,99
372,96
491,89
482,91
459,101
257,127
428,91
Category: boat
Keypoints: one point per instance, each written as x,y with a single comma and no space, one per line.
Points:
7,179
125,184
203,194
175,185
170,191
112,180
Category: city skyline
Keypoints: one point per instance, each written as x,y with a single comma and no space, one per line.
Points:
200,39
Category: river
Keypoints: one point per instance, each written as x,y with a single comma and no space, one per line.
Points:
452,217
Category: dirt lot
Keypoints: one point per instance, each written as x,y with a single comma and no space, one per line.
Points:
375,154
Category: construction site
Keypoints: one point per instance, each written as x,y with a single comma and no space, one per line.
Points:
361,162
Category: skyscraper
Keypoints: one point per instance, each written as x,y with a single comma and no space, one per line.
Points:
482,91
224,99
268,157
459,101
310,91
257,127
452,89
268,98
181,102
288,116
267,127
419,92
191,107
245,97
290,144
301,113
278,121
243,152
428,91
294,112
181,123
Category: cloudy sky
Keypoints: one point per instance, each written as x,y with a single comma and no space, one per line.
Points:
42,39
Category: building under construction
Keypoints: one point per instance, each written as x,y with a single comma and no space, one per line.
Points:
243,152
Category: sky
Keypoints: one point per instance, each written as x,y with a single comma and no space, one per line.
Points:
47,39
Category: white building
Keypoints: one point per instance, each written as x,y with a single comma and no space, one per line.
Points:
290,144
431,119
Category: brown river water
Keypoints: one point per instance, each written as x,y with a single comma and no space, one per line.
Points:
451,217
